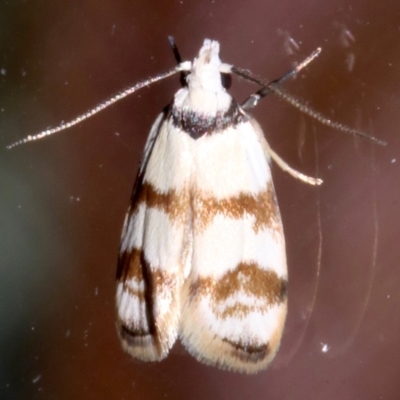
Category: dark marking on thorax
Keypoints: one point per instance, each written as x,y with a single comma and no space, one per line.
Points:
197,125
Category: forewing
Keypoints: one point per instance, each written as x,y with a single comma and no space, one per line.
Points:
234,301
155,247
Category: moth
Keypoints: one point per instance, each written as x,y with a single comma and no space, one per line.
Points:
202,256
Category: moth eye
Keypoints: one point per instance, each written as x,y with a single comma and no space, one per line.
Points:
183,78
226,80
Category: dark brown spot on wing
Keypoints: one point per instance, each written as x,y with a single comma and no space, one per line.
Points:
248,352
150,287
131,334
133,266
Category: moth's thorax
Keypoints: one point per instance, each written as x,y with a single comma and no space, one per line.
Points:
205,93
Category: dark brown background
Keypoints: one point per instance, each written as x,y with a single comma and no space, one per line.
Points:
63,199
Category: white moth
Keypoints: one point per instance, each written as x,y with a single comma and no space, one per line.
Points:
202,254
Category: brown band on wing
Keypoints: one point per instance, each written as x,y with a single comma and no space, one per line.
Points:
262,206
249,278
130,265
173,202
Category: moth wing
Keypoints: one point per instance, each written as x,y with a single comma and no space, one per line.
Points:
234,300
154,248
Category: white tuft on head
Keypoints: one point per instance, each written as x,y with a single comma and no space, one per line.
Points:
205,93
205,74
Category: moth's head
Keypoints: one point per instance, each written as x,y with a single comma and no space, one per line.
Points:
206,70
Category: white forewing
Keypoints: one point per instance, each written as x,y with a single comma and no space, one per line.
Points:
234,300
153,251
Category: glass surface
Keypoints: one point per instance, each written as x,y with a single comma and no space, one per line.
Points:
63,199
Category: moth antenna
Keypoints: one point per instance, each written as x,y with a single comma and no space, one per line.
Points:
100,107
253,99
322,118
175,50
178,59
273,87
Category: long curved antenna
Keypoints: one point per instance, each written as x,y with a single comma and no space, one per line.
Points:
276,89
101,106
